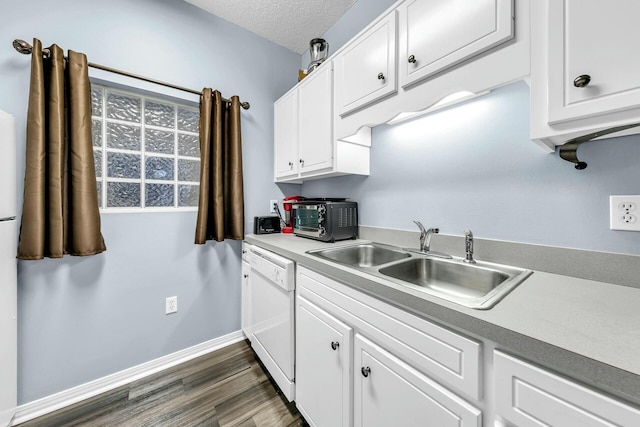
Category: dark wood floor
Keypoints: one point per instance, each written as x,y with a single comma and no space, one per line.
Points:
228,387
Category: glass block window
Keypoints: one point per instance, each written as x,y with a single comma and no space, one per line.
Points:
146,150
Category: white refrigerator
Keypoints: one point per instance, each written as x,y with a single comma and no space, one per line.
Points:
8,270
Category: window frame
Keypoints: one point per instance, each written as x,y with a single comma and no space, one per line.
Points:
104,179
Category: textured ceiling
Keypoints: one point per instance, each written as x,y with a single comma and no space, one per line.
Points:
289,23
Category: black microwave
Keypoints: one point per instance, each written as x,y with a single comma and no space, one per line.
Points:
327,221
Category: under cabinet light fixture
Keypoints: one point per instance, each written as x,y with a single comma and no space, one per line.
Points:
447,101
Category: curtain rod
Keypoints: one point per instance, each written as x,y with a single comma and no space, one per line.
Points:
25,48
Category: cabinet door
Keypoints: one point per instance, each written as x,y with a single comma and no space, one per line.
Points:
388,392
366,70
588,39
323,367
437,34
285,135
315,120
532,397
246,300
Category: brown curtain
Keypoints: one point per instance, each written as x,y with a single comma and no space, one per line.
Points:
60,212
221,203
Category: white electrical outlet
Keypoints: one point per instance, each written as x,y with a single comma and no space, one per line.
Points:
171,305
272,204
625,212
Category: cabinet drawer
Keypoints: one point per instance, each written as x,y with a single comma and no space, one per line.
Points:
530,396
435,351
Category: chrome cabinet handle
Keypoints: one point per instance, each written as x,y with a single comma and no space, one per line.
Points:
582,81
412,59
380,76
335,345
365,371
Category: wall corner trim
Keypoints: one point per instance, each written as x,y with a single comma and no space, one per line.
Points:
56,401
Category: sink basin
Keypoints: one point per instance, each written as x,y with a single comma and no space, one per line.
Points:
362,255
478,285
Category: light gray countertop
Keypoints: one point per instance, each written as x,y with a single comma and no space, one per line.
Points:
585,329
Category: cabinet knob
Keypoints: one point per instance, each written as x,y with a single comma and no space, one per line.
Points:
301,162
290,164
412,59
380,76
365,371
335,345
582,81
245,276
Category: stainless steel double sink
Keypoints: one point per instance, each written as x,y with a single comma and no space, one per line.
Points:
479,286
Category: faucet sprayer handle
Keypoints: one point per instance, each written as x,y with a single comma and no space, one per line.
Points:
468,247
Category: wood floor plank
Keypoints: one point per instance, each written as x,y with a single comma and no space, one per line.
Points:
229,387
275,413
245,405
226,388
86,410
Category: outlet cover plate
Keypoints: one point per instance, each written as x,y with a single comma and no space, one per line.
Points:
272,209
171,305
624,213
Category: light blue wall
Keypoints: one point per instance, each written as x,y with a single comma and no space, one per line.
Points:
83,318
474,167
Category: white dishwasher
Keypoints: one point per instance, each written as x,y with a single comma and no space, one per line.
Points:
272,285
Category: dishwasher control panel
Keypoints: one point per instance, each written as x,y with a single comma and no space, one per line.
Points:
274,267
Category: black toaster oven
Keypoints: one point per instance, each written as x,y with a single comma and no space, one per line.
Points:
324,220
266,224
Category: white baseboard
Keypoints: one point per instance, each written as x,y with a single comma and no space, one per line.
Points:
60,400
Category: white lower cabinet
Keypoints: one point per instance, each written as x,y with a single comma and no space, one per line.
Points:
323,366
388,392
365,363
527,395
390,374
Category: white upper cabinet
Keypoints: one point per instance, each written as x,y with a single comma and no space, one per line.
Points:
303,127
366,69
446,49
585,71
304,143
285,135
315,121
437,34
594,66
